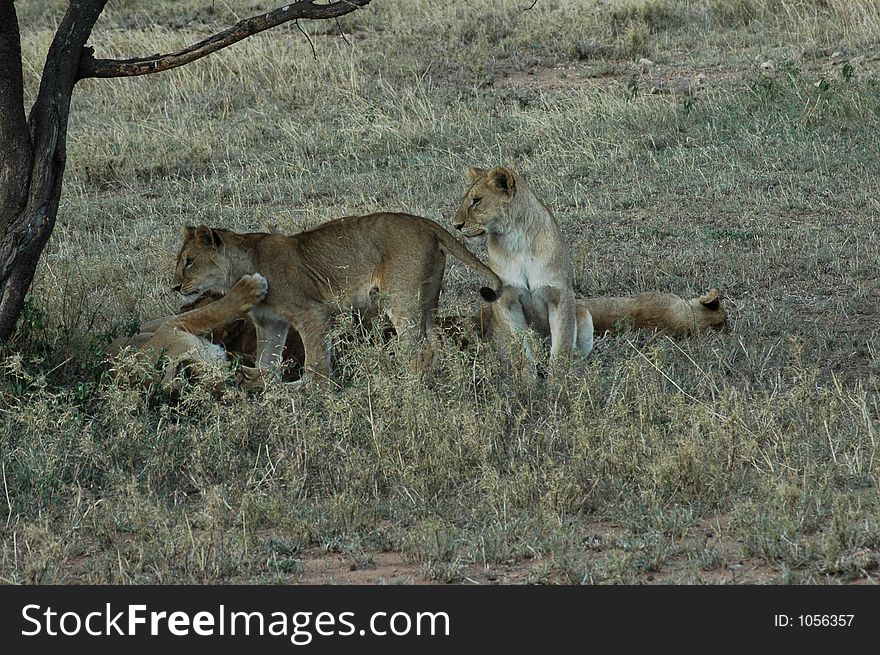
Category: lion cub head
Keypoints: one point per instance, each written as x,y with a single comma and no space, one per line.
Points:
709,313
484,208
199,268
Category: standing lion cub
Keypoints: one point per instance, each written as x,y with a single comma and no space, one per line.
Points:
341,265
527,251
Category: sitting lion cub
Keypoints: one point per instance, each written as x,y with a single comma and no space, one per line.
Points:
527,251
663,311
341,265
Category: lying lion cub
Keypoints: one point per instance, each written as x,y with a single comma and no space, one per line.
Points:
341,265
180,338
662,311
665,312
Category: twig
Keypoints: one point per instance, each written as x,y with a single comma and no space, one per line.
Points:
691,359
308,38
342,33
8,501
676,385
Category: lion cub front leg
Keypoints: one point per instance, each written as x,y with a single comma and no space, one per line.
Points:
584,341
239,300
562,316
314,328
509,320
178,338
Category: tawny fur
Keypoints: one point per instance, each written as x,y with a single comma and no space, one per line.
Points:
528,252
181,339
342,265
662,311
236,333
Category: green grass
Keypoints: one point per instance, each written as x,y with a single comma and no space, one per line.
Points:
748,457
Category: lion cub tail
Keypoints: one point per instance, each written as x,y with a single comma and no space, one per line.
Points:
452,246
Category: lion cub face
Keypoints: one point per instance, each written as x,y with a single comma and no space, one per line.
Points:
710,313
484,206
198,271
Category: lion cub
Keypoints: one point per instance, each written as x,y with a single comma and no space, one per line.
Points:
341,265
180,339
528,252
662,311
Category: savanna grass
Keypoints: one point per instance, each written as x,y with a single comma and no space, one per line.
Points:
747,457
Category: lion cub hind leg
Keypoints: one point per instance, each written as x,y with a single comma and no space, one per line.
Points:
413,322
413,294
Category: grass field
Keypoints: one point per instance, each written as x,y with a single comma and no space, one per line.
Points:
682,144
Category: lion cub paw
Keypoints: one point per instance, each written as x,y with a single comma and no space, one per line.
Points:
252,289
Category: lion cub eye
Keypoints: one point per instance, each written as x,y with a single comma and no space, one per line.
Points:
475,202
189,262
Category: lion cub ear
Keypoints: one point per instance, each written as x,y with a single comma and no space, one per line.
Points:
475,174
711,299
207,237
502,179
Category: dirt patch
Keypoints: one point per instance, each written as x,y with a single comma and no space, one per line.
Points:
623,76
392,568
378,568
672,75
319,567
551,78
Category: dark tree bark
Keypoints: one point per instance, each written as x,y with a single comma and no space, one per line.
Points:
33,157
15,155
33,152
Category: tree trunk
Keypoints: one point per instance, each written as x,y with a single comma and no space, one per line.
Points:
33,153
15,158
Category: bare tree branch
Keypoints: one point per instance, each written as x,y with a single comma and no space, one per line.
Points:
91,67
